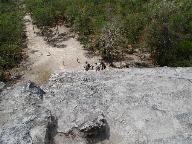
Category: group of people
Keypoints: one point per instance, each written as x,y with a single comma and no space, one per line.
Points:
96,66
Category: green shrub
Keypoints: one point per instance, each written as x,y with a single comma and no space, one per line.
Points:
169,33
160,40
185,49
11,36
160,25
134,25
112,42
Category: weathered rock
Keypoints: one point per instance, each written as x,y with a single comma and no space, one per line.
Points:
23,122
95,130
34,89
2,85
152,106
140,105
92,131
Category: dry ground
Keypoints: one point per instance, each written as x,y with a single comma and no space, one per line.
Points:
48,56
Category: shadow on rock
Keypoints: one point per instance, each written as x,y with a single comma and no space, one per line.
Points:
96,133
34,89
92,131
51,130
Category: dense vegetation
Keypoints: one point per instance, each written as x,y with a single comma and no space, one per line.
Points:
109,26
11,33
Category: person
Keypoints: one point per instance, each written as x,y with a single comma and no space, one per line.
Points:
103,66
97,67
92,67
78,60
57,28
87,66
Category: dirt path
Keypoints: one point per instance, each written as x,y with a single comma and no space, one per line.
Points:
45,58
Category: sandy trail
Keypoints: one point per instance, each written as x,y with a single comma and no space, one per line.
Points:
45,59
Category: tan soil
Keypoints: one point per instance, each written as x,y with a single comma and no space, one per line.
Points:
45,59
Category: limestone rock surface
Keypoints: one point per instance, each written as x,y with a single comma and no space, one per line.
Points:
130,106
2,85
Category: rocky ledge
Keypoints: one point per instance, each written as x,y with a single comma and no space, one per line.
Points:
131,106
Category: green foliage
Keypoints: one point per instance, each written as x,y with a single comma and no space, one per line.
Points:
161,42
184,53
109,26
169,33
134,25
112,42
10,36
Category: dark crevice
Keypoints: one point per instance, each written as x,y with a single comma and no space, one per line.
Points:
96,133
51,130
93,133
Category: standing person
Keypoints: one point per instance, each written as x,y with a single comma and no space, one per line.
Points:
97,67
78,60
87,66
57,29
92,67
103,66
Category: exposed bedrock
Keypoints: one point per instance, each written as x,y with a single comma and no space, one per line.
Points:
131,106
2,85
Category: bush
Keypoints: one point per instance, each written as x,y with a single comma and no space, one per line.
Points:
157,24
11,34
169,33
134,25
160,40
112,42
